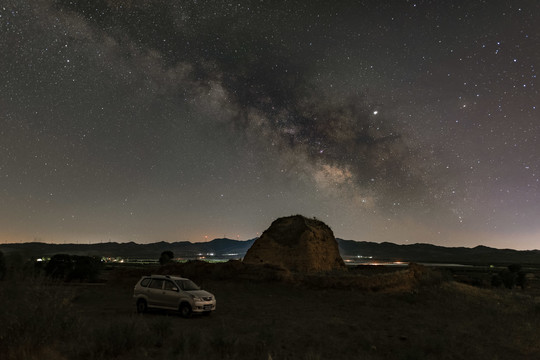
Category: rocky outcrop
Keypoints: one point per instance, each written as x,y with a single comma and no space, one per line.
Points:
297,243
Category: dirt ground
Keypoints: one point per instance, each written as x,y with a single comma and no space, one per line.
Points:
272,320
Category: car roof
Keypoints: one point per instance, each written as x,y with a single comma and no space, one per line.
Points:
170,277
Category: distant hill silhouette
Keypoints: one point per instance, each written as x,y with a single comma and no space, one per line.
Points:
235,249
218,247
434,253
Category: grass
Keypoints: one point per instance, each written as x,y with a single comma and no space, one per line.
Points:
35,316
270,320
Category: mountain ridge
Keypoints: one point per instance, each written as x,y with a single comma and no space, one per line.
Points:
423,252
229,248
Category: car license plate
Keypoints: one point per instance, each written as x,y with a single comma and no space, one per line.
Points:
207,307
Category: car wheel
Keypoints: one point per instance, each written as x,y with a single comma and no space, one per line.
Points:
185,310
141,306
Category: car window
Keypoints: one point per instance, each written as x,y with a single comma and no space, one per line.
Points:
169,285
187,285
145,282
156,284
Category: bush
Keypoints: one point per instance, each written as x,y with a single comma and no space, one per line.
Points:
166,257
514,268
59,266
68,268
510,277
521,279
85,268
496,280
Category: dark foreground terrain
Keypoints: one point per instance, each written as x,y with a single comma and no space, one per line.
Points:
439,319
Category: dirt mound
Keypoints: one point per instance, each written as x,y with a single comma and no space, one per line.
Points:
360,279
296,243
394,280
231,270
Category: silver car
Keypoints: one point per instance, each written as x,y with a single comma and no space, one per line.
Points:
172,293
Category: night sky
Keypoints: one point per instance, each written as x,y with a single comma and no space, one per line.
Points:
401,121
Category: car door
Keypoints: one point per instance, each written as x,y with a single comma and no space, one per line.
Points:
170,296
154,292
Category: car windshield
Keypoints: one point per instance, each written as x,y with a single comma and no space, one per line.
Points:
187,285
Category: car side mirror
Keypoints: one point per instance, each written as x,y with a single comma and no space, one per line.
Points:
174,289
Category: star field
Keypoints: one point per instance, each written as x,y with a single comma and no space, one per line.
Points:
406,121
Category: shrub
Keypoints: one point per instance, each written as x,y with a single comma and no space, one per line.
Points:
508,278
514,268
59,266
85,268
67,267
17,264
496,280
521,279
166,257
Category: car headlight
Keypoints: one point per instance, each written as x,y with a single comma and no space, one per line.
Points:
196,298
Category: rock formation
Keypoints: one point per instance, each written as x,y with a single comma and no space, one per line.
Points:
298,244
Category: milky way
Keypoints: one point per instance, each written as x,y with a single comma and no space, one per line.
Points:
188,120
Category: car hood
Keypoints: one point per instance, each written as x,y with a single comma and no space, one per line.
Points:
200,293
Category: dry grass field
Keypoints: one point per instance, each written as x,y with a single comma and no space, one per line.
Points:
268,320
